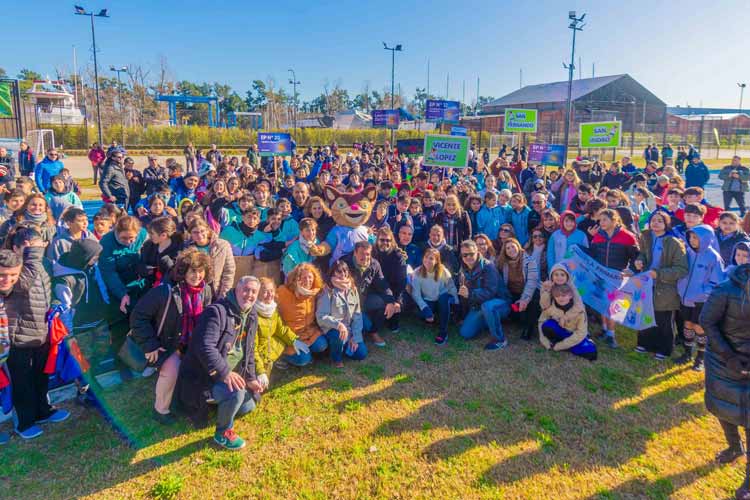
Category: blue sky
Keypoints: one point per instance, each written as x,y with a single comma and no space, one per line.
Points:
688,52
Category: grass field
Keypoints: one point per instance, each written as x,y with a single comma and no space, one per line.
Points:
412,421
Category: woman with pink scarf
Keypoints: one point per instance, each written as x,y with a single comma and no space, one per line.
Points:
565,189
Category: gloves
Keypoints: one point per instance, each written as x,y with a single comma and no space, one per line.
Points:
300,346
263,380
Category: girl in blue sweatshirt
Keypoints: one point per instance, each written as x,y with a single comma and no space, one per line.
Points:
564,238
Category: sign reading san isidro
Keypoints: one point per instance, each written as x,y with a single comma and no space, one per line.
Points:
450,151
520,120
601,134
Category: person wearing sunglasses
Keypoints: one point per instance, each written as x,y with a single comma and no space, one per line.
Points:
46,169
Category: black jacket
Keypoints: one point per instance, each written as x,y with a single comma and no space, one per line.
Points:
113,182
462,229
29,301
393,265
725,318
371,280
156,178
484,284
152,260
205,363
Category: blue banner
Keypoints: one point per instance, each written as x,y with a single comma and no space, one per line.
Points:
385,118
274,144
444,111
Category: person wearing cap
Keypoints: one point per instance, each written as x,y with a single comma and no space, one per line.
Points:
696,173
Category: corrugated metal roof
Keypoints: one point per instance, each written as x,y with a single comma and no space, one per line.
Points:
713,116
553,92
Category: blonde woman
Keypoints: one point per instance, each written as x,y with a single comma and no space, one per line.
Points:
297,302
454,221
433,289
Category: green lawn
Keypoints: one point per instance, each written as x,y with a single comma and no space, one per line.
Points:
412,421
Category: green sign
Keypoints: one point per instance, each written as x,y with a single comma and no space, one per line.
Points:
601,135
450,151
6,104
520,120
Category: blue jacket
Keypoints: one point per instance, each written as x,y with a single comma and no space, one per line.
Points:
559,243
44,172
489,220
26,162
520,221
696,175
705,269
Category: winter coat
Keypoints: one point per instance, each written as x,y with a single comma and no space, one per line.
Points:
725,175
271,340
294,255
559,243
335,306
46,229
370,280
615,181
27,305
520,221
574,320
462,229
590,177
146,317
705,269
696,175
223,266
427,288
26,162
58,202
96,156
489,220
616,252
298,313
215,335
725,318
153,261
242,244
530,269
155,178
728,243
44,172
672,267
62,242
483,282
545,297
393,265
113,182
119,264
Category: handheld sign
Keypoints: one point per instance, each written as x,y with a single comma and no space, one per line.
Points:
385,118
547,154
520,120
442,111
458,130
274,144
600,134
451,151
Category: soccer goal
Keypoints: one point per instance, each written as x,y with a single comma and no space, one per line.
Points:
497,141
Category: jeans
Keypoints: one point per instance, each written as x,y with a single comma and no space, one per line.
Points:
373,311
230,404
337,348
305,358
441,306
489,316
738,196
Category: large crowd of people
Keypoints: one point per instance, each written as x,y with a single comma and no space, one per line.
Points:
216,271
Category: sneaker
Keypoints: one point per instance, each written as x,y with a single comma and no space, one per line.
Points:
229,440
611,342
659,357
698,365
55,417
640,350
729,455
496,345
441,339
377,339
150,370
4,438
281,364
686,357
394,329
32,432
164,418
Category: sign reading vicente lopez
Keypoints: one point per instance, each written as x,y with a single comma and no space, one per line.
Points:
601,134
520,120
274,144
451,151
385,118
445,111
547,154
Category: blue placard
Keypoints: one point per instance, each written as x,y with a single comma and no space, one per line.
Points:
547,154
274,144
458,130
385,118
444,111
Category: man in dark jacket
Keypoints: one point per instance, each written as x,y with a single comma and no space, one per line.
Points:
375,296
735,179
528,186
227,327
696,173
485,297
7,166
113,182
26,160
393,263
155,176
587,174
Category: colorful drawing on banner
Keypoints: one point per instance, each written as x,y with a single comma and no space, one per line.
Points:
385,118
546,154
626,300
450,151
274,144
6,103
600,134
443,111
520,120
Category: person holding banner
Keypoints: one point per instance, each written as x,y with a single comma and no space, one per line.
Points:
663,257
615,247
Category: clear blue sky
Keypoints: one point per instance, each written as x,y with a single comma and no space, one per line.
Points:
690,51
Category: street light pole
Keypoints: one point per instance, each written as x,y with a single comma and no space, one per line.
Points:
294,83
575,25
397,48
742,91
119,100
80,11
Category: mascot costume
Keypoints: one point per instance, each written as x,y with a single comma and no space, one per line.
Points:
350,211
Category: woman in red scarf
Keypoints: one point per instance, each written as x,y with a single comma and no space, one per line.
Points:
164,319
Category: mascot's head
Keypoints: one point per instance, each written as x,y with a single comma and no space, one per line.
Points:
351,209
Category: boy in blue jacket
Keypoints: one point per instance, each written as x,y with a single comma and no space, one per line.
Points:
491,216
705,271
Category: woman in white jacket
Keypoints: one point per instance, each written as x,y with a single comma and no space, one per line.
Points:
433,289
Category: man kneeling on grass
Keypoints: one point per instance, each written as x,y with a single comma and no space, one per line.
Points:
225,332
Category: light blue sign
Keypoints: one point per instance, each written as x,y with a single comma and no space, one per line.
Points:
459,130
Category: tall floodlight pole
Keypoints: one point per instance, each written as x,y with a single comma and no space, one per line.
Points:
742,91
397,48
119,100
80,11
294,83
576,24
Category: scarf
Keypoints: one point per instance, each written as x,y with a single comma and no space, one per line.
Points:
192,307
513,272
36,219
247,230
437,247
306,292
306,244
449,225
567,307
340,283
265,310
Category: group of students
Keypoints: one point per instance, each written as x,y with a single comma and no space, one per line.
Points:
220,274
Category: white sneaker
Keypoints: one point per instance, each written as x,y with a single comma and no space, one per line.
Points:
150,370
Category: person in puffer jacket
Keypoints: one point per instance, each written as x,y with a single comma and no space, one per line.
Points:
563,325
563,238
705,271
59,198
724,318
